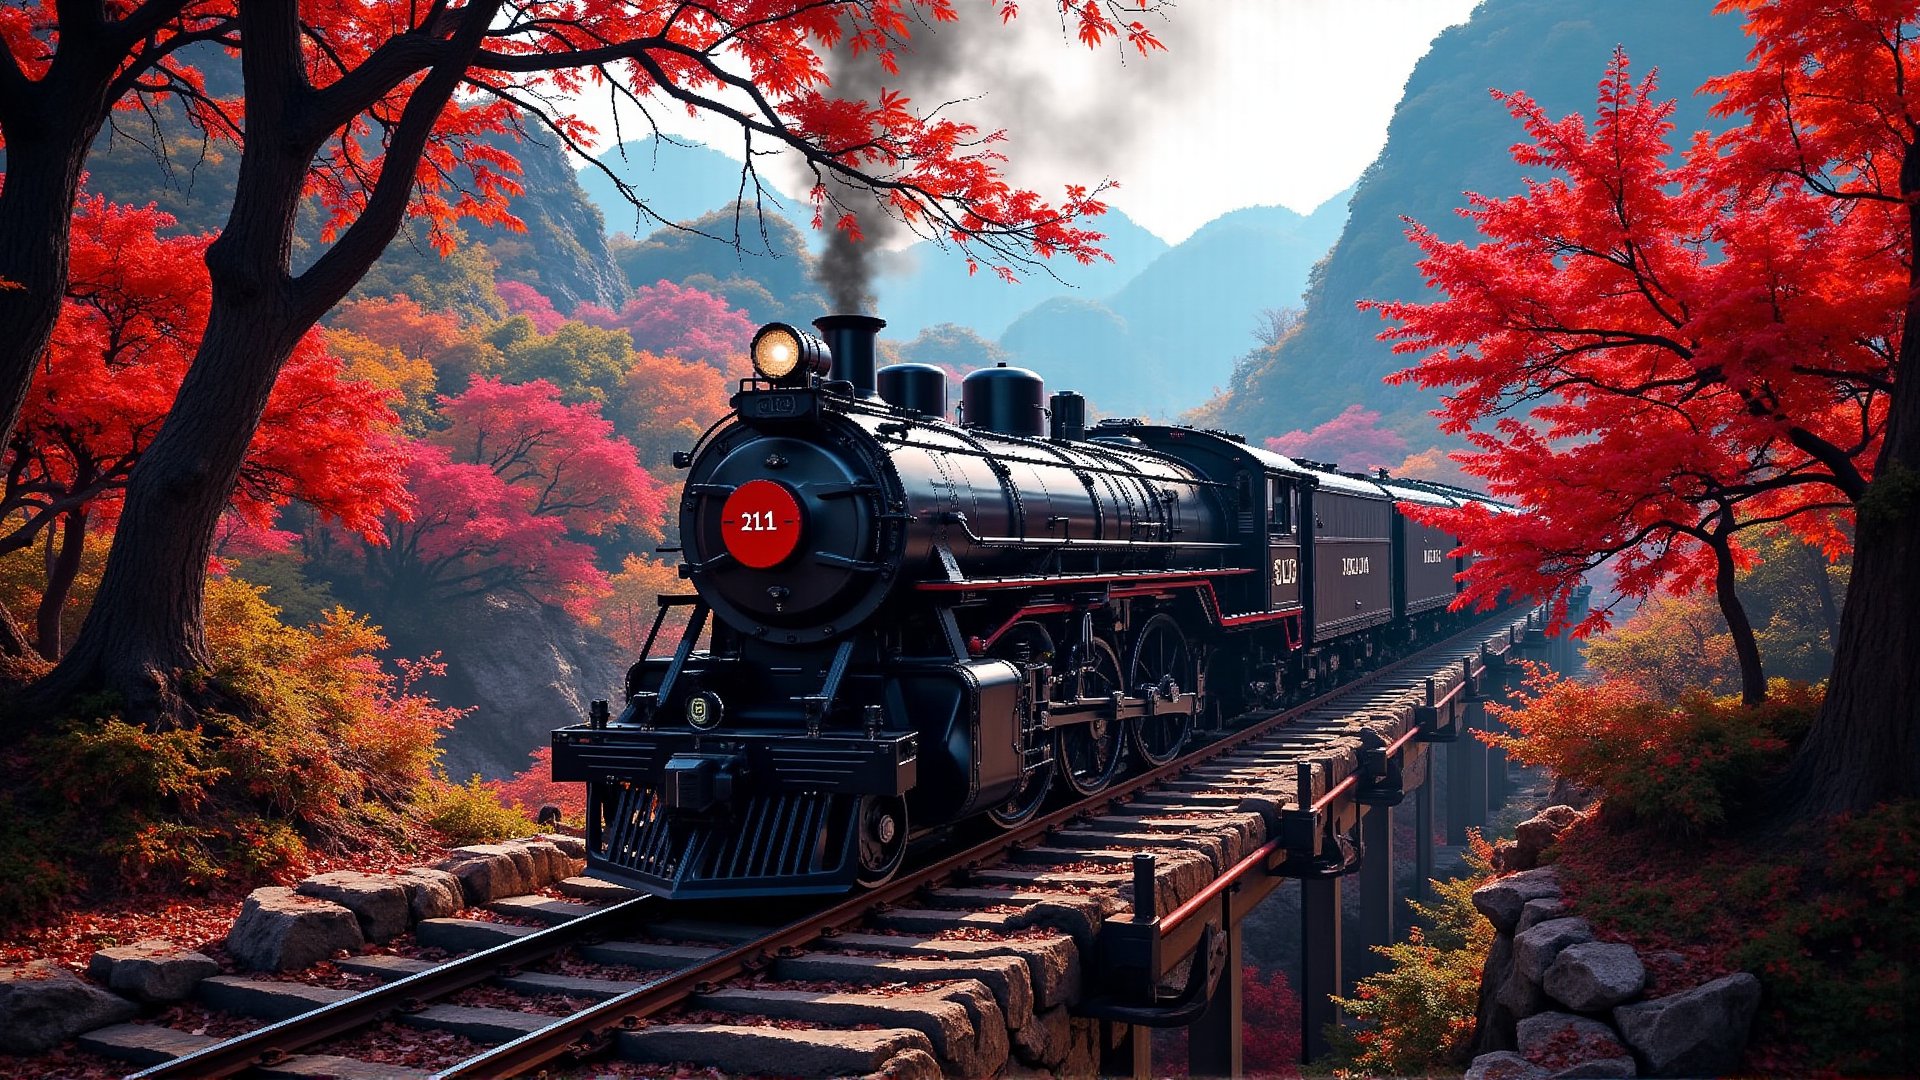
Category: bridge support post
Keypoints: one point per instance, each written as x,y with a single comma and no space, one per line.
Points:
1499,783
1126,1050
1320,963
1467,777
1215,1046
1376,888
1423,836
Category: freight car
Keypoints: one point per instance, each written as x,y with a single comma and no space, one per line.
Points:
901,621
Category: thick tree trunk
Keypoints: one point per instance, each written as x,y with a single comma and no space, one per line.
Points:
1753,678
1862,750
46,152
144,629
63,566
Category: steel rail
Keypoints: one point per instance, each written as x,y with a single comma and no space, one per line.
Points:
591,1030
281,1040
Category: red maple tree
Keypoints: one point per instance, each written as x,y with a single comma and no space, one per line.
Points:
1354,439
677,320
136,306
524,299
505,496
1714,343
1649,362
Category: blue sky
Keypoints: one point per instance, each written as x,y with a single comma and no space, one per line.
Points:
1254,102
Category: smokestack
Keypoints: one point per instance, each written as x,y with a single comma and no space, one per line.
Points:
851,339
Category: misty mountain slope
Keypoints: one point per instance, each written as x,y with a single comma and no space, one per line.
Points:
678,180
1448,136
923,286
1167,339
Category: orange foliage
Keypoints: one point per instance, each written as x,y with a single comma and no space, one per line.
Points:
1685,766
626,612
667,403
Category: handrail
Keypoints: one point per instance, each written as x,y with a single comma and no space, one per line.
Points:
1217,886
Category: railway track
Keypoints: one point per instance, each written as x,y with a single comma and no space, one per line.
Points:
974,955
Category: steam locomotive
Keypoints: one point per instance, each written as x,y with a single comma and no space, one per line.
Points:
901,622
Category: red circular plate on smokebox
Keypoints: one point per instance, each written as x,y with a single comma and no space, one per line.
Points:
760,523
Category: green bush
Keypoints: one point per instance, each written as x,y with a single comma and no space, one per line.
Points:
473,813
1417,1016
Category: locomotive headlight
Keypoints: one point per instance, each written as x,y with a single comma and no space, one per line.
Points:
787,356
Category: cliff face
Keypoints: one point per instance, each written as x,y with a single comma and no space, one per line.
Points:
528,669
564,251
1449,136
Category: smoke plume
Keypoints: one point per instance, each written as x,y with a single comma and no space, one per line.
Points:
1010,77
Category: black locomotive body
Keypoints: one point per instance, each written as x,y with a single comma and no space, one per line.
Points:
901,622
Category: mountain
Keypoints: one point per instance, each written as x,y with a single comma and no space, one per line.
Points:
1168,337
563,252
1449,136
678,180
924,286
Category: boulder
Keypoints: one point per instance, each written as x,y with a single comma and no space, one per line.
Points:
490,871
378,900
1504,1065
1536,950
1533,836
1539,911
1502,899
281,930
152,970
1533,952
1697,1032
1569,1045
43,1005
1594,975
431,893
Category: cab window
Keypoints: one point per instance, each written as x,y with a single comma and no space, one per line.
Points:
1279,506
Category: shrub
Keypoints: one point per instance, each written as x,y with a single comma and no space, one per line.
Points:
535,788
311,742
1684,767
472,813
1417,1016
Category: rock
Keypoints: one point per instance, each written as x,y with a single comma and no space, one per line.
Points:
280,930
378,900
1493,1023
1594,975
573,847
549,864
1533,836
431,893
1535,951
1502,899
152,970
758,1050
1539,911
43,1005
1697,1032
489,871
1569,1045
1504,1065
